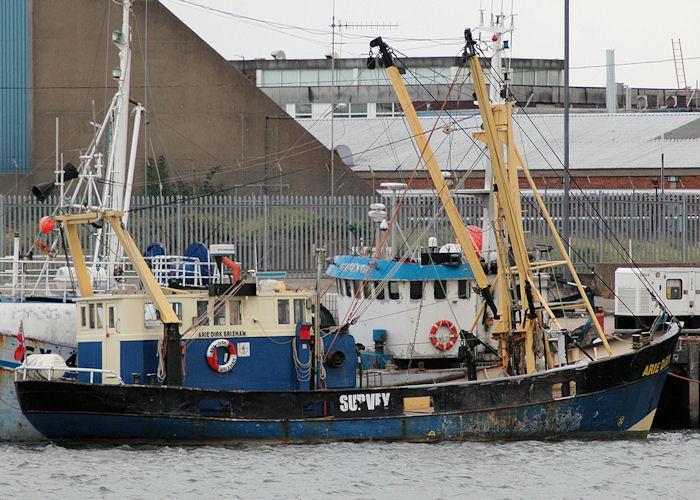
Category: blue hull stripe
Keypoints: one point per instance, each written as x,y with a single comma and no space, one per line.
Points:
356,268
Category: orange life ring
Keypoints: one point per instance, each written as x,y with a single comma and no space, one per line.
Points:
213,358
453,335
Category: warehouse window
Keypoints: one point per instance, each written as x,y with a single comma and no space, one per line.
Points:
302,110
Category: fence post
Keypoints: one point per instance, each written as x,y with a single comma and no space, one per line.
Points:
266,222
179,224
601,227
346,235
3,225
684,228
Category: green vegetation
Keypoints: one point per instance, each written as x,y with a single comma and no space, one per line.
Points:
158,181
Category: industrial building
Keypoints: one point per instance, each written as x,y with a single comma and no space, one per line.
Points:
204,117
353,109
268,126
309,88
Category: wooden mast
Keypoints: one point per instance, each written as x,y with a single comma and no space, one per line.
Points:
497,133
435,173
500,115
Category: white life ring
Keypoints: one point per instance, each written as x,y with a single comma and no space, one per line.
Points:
434,338
213,358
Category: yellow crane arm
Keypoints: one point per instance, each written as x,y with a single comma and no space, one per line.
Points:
435,173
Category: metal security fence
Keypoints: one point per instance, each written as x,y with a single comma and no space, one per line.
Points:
280,232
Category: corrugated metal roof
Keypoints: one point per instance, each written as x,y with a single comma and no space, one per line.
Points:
14,86
597,141
690,130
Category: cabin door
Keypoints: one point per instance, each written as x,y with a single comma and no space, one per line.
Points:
112,356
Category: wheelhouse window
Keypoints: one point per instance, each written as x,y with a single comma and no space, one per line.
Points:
202,311
220,315
463,290
674,289
416,290
367,289
177,307
92,315
356,288
440,289
299,306
348,291
283,311
394,290
111,320
83,316
234,312
379,290
100,315
151,316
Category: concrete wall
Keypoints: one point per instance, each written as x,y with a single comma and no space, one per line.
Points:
202,111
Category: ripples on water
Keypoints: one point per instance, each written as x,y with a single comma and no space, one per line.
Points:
664,466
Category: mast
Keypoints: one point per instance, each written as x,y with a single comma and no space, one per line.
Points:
117,161
435,172
497,120
79,188
520,319
508,199
497,28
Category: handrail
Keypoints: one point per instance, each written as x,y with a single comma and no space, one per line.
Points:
92,371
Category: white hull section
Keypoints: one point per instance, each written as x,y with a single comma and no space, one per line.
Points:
52,322
48,327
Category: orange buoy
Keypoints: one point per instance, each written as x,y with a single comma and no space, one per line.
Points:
475,236
46,224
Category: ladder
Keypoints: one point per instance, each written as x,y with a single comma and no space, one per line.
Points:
680,66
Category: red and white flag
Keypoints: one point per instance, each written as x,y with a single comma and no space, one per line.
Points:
21,350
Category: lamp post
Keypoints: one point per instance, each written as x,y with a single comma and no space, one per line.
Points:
340,105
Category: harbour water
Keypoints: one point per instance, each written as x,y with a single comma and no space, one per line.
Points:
663,466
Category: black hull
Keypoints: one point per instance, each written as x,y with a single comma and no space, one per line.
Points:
614,397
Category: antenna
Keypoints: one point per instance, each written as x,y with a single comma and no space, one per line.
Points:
363,25
493,34
343,25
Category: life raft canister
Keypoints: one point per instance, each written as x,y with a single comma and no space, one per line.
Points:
453,335
213,357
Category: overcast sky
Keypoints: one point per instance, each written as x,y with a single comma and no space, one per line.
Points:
640,31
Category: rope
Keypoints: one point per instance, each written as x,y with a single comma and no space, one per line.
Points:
303,370
415,335
684,378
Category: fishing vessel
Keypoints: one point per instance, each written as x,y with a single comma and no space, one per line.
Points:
247,360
